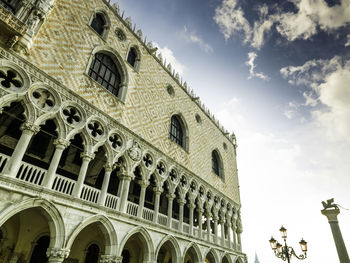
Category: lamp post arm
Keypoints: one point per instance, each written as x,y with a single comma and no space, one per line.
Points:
292,252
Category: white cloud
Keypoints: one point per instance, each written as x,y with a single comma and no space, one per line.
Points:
192,37
303,24
348,41
169,56
328,83
251,64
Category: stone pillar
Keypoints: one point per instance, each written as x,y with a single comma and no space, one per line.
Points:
57,255
60,144
182,202
87,157
200,223
215,219
222,223
15,257
170,208
331,215
191,207
157,193
234,235
229,233
124,191
239,244
110,259
208,215
13,164
143,185
104,189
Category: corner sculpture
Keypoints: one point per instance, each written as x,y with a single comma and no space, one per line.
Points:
331,211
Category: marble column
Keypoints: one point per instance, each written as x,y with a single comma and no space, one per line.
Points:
229,233
60,145
157,193
191,207
208,215
182,202
87,157
143,185
331,215
222,223
200,222
105,184
13,164
215,219
170,208
124,191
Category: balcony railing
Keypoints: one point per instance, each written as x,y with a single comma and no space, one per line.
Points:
34,175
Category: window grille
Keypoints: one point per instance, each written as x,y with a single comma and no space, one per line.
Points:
176,133
105,72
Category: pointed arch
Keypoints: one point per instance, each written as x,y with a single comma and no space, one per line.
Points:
228,258
100,23
146,240
107,229
51,213
213,253
196,249
178,130
133,57
173,242
217,163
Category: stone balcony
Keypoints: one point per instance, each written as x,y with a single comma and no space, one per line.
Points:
10,24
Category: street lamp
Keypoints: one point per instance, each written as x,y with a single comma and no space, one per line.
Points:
284,251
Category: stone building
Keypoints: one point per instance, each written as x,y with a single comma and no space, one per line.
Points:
106,155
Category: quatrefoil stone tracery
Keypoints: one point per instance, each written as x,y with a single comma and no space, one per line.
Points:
147,159
43,99
72,115
96,129
161,168
173,175
115,141
9,79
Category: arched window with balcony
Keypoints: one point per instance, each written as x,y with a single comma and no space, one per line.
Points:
217,166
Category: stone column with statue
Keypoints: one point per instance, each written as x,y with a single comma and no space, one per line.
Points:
331,211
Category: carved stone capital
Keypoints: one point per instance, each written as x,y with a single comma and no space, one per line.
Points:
111,259
57,253
135,152
108,167
61,143
87,156
30,127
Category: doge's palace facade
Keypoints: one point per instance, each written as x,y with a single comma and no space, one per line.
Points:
106,155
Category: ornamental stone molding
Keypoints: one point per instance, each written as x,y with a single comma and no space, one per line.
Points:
57,253
135,152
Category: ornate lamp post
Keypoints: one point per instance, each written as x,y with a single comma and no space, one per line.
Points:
284,251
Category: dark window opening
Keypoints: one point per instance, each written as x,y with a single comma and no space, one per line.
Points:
215,163
132,57
39,251
92,254
98,23
176,132
113,183
105,72
126,256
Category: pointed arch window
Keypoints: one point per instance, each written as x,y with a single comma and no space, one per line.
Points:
132,56
98,23
216,163
105,72
176,131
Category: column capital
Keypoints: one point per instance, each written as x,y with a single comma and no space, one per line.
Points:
126,176
30,127
86,156
170,196
61,143
191,205
331,214
157,190
110,259
181,201
57,254
108,167
143,183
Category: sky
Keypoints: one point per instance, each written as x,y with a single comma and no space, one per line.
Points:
277,74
